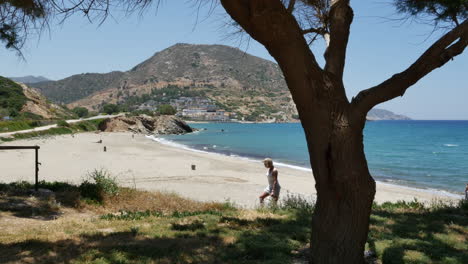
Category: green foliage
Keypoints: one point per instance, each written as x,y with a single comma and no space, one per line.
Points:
77,86
83,126
50,132
63,123
415,204
80,111
166,109
441,10
299,203
110,109
99,183
10,126
12,97
17,18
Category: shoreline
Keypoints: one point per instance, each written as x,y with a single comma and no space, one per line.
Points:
146,164
300,168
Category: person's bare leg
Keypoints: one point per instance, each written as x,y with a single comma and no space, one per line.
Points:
263,196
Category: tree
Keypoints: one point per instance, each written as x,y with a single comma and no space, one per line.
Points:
334,125
110,109
166,109
81,111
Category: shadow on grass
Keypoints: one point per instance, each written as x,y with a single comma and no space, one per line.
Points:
420,235
21,200
225,240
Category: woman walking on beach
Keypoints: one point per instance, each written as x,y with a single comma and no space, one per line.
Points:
273,187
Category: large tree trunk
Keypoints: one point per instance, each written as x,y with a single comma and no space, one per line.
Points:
345,191
333,126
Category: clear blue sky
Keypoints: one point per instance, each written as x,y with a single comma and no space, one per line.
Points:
378,48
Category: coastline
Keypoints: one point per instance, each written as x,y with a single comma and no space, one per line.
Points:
443,193
146,164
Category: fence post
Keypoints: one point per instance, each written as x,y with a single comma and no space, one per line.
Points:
37,169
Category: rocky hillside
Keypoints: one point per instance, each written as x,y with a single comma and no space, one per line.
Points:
236,81
77,86
18,99
143,124
381,114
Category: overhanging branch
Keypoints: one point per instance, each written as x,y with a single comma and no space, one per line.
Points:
291,5
444,49
341,17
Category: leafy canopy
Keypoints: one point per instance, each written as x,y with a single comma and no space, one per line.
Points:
454,11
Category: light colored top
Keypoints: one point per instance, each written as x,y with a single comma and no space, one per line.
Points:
271,179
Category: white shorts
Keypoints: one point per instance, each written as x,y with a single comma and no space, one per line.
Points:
268,189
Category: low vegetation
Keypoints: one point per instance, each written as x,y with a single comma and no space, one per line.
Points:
11,126
12,97
99,222
62,128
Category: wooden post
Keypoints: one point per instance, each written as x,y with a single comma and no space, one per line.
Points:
36,148
37,169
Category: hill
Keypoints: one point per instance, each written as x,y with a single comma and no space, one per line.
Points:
189,76
17,100
252,87
29,79
381,114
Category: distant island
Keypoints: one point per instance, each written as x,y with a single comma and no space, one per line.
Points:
381,114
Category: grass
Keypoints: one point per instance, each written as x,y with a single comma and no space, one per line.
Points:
62,129
132,226
11,126
409,232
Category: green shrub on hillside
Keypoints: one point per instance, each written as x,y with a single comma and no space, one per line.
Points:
62,123
81,111
166,109
110,109
12,97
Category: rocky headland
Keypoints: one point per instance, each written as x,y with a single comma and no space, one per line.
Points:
144,124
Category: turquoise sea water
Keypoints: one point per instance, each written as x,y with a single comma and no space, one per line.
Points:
423,154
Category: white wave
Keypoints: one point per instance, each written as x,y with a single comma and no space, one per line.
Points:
451,145
280,164
426,190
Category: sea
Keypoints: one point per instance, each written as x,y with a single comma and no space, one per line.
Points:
429,155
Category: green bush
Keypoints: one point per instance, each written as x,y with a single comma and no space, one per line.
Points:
81,111
166,109
11,96
110,109
63,123
97,185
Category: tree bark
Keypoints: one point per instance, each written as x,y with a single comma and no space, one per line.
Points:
345,192
345,189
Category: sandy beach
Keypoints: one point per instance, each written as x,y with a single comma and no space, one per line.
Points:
145,164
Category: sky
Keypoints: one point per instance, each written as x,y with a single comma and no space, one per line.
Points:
379,47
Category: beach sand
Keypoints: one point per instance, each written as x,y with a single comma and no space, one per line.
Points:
145,164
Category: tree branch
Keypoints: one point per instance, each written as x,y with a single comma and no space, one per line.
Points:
340,18
320,31
291,6
446,48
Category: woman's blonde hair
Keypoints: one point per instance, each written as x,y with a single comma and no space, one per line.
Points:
268,161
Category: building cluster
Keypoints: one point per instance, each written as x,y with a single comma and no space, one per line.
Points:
195,108
200,109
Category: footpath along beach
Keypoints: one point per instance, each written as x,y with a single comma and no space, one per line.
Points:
145,164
